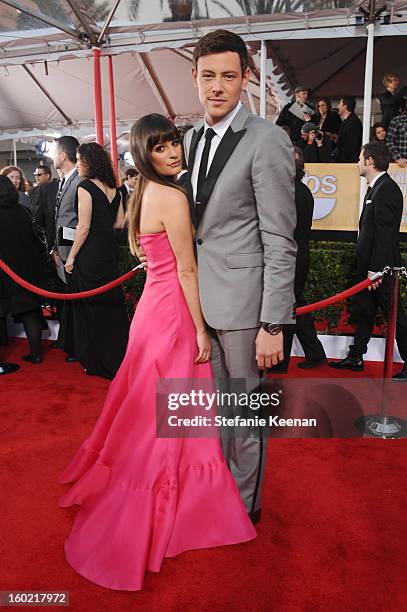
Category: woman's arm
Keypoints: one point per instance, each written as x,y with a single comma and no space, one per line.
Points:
119,223
82,229
176,219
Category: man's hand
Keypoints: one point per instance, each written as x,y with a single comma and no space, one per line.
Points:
402,162
269,349
307,117
141,255
376,284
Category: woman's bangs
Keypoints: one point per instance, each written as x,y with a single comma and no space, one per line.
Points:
162,136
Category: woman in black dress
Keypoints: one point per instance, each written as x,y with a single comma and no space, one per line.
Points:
95,330
21,250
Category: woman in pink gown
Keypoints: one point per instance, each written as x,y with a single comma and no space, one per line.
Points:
143,498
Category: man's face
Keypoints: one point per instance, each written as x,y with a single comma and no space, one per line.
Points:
302,96
40,176
341,108
58,159
363,165
219,80
393,83
131,181
304,135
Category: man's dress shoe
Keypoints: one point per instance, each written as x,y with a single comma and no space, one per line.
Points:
70,359
351,362
402,375
8,368
36,360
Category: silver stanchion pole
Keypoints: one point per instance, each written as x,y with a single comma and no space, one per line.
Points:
381,425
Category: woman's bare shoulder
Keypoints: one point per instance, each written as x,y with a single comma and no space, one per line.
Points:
165,194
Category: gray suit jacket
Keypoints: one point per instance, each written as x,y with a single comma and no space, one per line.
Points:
245,225
66,215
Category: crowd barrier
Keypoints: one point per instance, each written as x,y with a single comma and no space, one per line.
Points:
380,425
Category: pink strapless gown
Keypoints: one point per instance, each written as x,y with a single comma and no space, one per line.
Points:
144,498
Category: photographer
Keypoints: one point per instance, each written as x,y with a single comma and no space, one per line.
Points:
316,148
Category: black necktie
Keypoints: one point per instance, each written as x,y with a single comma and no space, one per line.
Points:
209,134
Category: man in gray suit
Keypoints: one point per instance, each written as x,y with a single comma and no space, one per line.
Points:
65,213
241,187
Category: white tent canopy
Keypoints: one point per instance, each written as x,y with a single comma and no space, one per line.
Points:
46,74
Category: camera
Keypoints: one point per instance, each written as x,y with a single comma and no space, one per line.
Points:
319,135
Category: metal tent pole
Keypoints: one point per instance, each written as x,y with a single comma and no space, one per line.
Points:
97,85
113,135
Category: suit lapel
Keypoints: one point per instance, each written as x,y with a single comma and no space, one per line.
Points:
371,196
196,137
67,185
225,149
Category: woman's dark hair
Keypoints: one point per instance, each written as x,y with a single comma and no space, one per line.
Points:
8,193
145,134
326,100
299,163
9,169
220,41
379,153
97,162
373,131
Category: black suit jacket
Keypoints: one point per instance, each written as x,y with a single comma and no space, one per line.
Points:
304,203
349,140
378,242
125,195
45,214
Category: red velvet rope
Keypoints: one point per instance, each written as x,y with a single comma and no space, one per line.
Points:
68,296
339,297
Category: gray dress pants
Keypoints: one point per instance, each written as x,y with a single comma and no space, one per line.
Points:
234,357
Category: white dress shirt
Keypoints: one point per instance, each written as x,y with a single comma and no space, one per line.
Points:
220,129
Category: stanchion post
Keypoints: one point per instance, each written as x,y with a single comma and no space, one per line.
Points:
113,136
97,85
382,425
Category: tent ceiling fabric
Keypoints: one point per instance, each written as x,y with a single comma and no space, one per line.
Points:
333,66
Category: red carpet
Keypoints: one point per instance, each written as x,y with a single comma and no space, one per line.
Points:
332,536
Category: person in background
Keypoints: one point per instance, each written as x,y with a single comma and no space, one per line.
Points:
21,250
378,132
304,325
329,122
391,101
296,112
396,138
127,188
350,132
377,247
316,147
28,187
16,176
95,330
43,175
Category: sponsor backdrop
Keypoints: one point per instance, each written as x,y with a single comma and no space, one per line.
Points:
335,188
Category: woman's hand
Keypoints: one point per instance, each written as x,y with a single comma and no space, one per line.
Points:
204,347
69,265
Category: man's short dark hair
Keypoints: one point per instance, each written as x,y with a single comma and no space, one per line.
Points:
220,41
68,145
130,173
45,170
379,153
349,102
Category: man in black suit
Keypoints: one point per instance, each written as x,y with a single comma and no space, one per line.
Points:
304,326
350,132
45,213
128,185
377,247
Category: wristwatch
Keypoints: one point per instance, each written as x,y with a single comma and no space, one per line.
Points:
272,328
